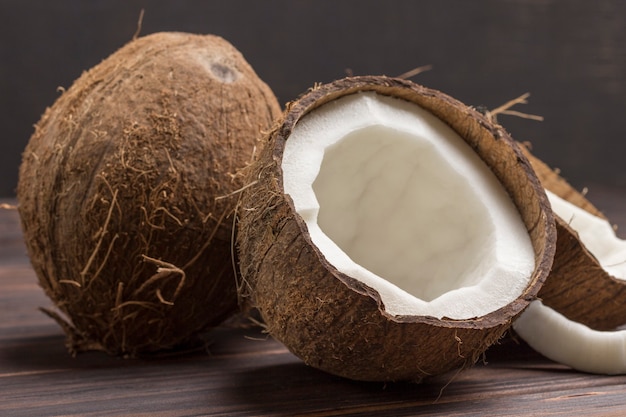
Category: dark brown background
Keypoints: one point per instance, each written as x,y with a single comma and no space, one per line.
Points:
570,55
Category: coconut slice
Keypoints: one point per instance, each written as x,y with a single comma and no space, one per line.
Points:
596,234
584,294
389,232
570,343
587,282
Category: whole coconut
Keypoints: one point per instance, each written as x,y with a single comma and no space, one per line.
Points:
127,190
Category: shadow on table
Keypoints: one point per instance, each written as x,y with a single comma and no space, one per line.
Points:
293,389
48,352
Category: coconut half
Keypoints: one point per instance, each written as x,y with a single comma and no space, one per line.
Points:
584,297
389,232
127,192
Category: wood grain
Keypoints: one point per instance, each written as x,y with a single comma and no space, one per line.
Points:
244,373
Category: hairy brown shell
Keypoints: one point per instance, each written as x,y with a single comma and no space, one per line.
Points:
125,191
578,287
337,324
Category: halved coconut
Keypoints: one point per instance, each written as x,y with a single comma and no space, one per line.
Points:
389,232
587,283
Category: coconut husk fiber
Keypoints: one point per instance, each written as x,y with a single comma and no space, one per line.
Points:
126,192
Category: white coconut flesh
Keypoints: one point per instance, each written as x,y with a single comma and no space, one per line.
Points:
595,233
561,339
571,343
394,198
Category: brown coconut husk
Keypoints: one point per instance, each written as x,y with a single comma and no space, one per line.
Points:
338,324
119,185
578,287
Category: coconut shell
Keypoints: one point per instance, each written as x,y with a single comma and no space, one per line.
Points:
126,191
336,323
578,287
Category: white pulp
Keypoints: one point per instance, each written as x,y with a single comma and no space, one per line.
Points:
566,341
595,233
393,197
571,343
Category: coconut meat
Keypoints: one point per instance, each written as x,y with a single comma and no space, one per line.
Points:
566,341
396,199
595,233
571,343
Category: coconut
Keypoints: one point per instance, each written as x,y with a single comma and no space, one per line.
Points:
576,321
587,283
126,192
572,343
389,232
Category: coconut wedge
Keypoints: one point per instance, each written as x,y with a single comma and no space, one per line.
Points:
389,232
587,283
571,343
126,192
584,297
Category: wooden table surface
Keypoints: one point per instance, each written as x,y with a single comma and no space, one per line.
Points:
245,373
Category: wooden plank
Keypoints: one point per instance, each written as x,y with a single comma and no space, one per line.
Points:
245,373
263,379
